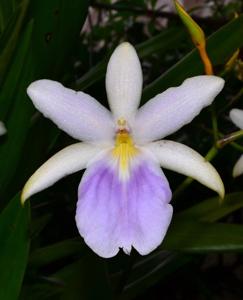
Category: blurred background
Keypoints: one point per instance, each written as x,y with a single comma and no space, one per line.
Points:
42,255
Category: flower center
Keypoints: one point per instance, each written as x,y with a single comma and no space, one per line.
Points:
124,149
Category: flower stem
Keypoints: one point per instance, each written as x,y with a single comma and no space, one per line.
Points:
205,59
229,138
214,124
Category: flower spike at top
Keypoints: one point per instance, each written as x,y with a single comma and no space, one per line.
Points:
123,197
236,116
197,36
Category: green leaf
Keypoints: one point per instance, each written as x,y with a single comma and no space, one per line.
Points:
81,282
7,8
202,237
84,279
10,36
18,119
46,255
150,270
161,43
32,157
212,209
57,30
38,224
15,73
220,45
14,248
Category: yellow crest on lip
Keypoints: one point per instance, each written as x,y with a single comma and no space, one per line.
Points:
124,150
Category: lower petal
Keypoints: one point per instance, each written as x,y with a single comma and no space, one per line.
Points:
113,214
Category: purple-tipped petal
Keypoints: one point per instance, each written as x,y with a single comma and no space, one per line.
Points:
113,214
76,113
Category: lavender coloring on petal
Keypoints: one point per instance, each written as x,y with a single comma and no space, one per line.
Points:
113,214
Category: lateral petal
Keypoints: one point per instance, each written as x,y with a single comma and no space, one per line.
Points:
76,113
177,106
124,82
184,160
67,161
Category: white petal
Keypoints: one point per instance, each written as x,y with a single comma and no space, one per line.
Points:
184,160
77,113
169,111
238,168
236,116
124,82
3,129
67,161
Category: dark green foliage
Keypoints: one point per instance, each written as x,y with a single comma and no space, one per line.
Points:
43,39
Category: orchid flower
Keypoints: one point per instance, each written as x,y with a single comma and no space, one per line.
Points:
3,129
123,198
236,116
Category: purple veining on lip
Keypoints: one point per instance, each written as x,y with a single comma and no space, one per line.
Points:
113,214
